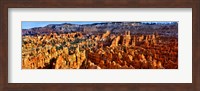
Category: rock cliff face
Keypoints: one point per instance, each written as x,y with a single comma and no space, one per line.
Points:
127,38
115,42
114,27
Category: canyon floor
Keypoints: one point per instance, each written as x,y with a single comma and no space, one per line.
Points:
77,50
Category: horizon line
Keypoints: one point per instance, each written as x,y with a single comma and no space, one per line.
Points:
37,24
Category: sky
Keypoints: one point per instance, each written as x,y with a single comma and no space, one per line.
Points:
32,24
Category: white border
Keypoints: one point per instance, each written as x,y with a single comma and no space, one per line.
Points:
181,75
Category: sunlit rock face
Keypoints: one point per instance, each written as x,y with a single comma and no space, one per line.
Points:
126,38
105,35
115,42
106,49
